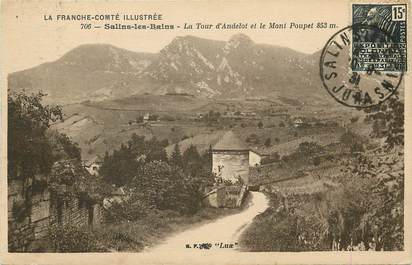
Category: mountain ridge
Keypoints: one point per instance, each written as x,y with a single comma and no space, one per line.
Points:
237,68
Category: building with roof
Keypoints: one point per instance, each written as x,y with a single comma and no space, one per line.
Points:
146,118
230,158
93,165
298,122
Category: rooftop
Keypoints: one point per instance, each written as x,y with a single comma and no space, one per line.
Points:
230,141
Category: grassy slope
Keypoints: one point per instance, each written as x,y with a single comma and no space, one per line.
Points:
297,205
101,126
277,229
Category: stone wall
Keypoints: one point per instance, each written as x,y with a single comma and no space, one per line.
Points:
226,196
215,198
20,232
30,219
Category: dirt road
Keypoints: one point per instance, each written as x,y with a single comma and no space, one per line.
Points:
219,235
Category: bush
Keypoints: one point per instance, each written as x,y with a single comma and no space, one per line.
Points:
153,117
353,141
309,148
316,161
354,119
122,237
275,157
126,211
139,119
168,118
278,233
74,239
252,138
71,149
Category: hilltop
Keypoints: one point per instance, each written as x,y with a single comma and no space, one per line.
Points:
237,68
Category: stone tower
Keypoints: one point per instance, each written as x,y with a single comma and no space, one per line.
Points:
230,158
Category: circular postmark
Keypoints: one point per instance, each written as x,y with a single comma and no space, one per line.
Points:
361,75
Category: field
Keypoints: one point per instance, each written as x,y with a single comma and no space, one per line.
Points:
102,126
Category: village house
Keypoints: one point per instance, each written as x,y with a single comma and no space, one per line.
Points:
93,165
146,118
298,122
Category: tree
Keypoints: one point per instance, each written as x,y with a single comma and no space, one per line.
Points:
252,138
139,119
260,124
29,150
354,119
71,148
192,162
155,150
126,162
123,167
212,116
268,142
388,121
207,159
153,117
176,157
136,145
353,141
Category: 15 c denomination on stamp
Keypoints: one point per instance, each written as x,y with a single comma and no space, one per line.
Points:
379,39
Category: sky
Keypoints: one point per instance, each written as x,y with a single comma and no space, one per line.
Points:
30,40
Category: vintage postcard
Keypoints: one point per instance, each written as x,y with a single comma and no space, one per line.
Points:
205,132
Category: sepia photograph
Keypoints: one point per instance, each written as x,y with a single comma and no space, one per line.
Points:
139,130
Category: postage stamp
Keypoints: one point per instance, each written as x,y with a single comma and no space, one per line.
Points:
349,87
379,37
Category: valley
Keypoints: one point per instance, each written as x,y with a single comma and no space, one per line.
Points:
194,89
102,126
